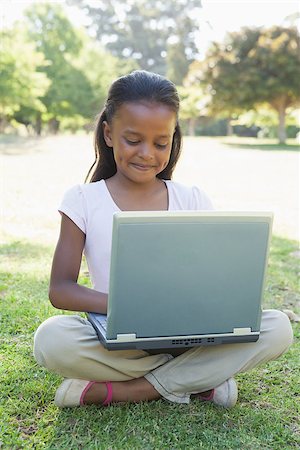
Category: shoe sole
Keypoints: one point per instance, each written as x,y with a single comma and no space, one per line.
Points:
232,393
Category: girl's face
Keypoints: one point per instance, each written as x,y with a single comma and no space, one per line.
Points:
141,136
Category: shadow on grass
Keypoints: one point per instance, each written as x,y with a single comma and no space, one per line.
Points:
264,147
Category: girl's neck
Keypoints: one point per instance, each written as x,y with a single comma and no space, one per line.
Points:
130,196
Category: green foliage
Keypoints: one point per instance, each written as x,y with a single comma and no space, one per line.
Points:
252,67
224,73
177,62
193,104
53,33
180,52
277,56
144,30
193,101
100,68
266,118
53,72
21,82
70,92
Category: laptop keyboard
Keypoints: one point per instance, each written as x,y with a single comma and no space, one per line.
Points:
103,322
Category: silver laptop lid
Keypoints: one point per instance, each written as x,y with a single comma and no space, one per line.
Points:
187,273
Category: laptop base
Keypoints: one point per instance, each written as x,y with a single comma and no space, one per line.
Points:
170,343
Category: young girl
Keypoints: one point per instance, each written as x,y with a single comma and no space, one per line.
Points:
137,145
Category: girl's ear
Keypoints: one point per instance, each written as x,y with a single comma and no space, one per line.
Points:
107,133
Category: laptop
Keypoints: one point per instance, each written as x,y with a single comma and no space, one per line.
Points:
185,278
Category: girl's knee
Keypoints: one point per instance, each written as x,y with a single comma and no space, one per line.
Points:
53,340
45,339
279,330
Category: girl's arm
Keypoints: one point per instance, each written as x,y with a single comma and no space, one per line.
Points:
64,292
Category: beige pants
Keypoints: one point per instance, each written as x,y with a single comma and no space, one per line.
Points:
68,346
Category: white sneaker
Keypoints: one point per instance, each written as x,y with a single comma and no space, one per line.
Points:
70,392
224,395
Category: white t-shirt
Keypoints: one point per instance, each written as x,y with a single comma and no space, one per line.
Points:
91,207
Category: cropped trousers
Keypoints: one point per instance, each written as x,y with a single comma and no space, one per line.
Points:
69,346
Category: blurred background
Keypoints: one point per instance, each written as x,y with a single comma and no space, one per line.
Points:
236,65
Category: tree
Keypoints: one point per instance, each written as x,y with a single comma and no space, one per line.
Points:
100,68
177,63
252,67
178,60
70,93
277,54
192,105
266,119
21,84
145,30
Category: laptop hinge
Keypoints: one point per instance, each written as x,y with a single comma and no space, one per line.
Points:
241,331
126,337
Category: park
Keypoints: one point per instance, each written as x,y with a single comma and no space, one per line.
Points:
46,146
269,417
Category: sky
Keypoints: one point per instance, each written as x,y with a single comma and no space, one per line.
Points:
217,16
224,15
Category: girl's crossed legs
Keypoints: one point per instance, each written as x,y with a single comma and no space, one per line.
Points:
69,346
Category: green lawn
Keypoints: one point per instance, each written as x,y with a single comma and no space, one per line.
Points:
260,144
267,415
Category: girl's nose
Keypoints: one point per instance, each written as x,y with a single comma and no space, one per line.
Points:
146,151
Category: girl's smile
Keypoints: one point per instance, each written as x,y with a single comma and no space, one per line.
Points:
141,136
142,166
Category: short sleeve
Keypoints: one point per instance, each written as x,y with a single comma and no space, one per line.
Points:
200,201
73,206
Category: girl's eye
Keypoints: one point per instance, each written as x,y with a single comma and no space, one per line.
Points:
161,146
132,142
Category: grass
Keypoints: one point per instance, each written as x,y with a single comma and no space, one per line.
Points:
267,415
260,144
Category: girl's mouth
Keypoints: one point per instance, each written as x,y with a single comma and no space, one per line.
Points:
142,167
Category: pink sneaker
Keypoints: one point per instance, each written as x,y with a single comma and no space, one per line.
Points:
225,394
71,393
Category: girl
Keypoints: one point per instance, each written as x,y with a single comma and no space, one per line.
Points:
137,145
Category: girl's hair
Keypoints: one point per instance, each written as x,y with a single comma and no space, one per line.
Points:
134,87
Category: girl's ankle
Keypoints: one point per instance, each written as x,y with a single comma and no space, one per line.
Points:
96,394
132,391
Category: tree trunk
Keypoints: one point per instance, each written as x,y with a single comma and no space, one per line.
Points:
192,126
54,126
281,124
38,125
3,123
229,127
